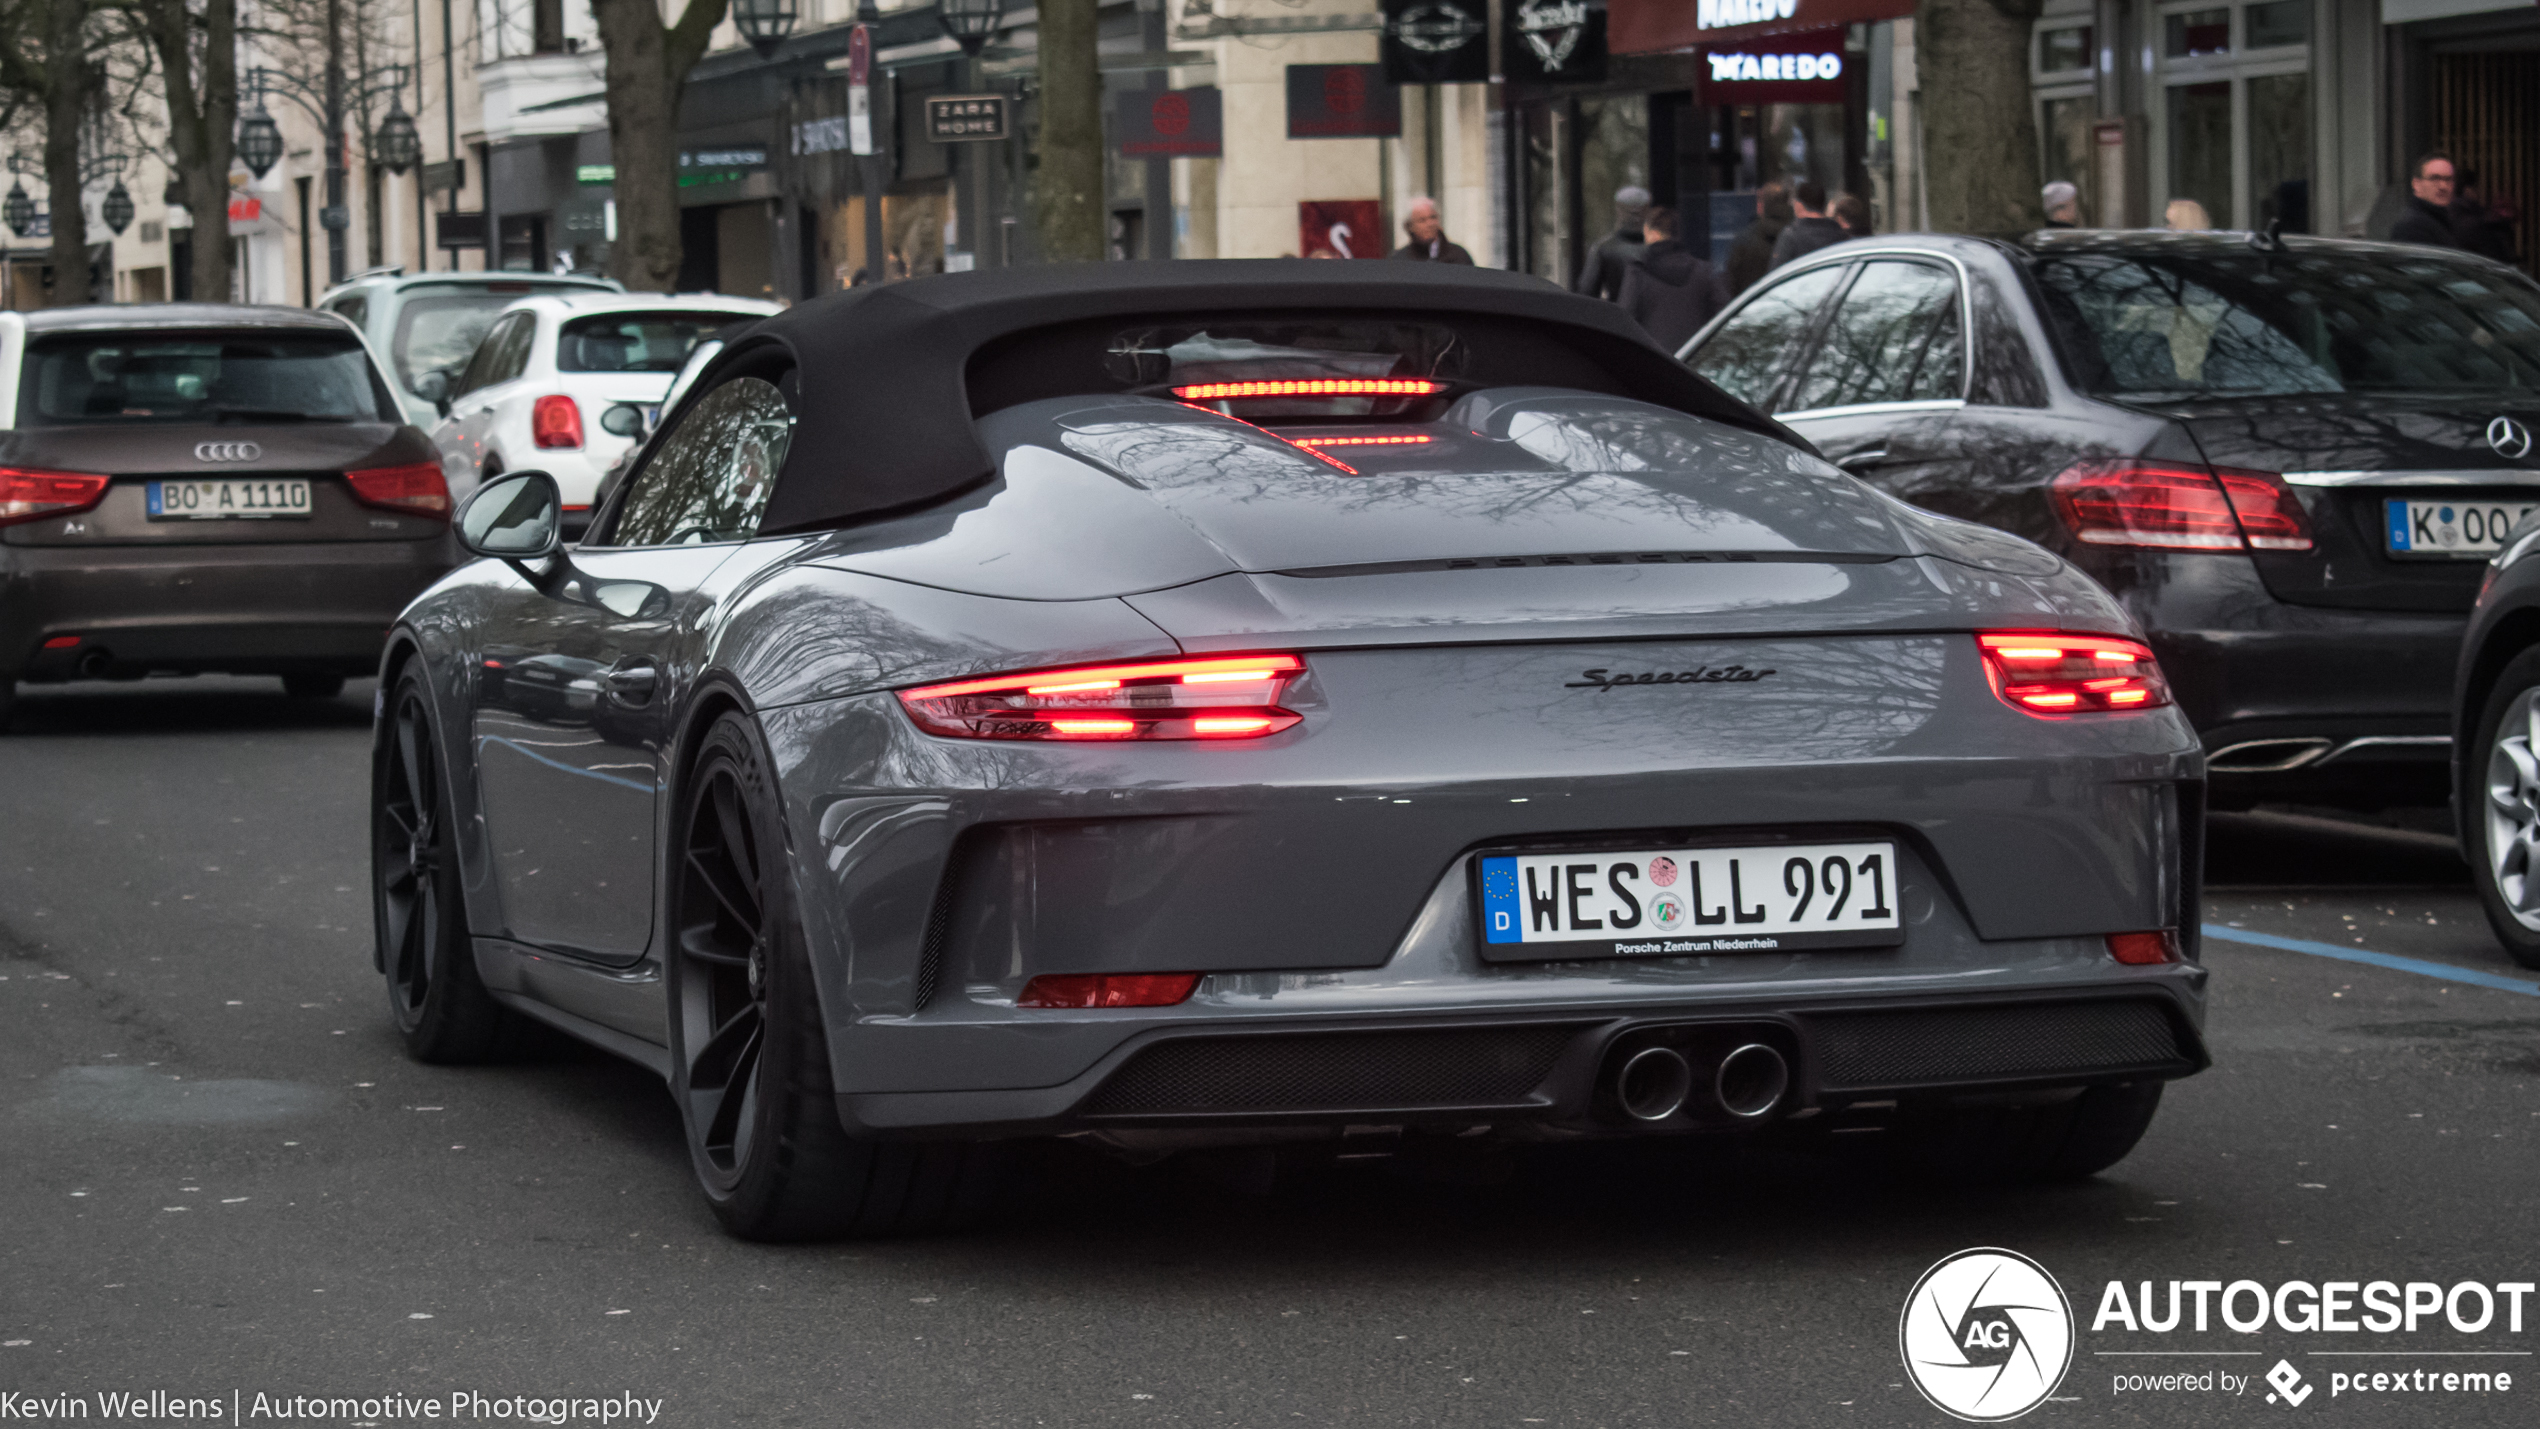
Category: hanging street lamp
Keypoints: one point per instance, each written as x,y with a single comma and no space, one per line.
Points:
971,23
18,209
397,146
764,23
259,140
117,209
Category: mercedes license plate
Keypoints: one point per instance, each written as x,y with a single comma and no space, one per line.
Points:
229,500
2452,529
1688,902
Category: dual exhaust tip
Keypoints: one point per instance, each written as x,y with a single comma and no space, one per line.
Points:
1655,1084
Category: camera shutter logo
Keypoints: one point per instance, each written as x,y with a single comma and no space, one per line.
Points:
2509,439
1986,1335
227,451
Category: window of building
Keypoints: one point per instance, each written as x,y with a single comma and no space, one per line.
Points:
2061,70
2234,112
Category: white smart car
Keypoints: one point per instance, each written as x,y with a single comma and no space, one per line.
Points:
540,387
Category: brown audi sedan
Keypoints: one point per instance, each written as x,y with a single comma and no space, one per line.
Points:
195,487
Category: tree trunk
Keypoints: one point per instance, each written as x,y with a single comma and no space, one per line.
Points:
65,109
202,126
1067,188
647,66
1980,159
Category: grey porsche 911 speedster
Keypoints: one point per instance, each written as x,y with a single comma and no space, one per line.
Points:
1253,703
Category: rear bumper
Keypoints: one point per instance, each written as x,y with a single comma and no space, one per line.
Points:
1550,1074
316,607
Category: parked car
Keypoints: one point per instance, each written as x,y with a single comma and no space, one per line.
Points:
425,323
1272,704
2289,459
193,487
551,367
2496,733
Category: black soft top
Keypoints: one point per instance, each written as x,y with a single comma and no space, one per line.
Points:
893,378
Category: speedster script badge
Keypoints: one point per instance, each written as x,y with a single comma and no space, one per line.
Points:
1601,680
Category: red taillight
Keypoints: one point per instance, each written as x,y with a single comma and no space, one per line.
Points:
1222,697
1311,387
1107,989
2179,508
1318,443
34,495
2052,673
555,422
416,488
62,642
2144,949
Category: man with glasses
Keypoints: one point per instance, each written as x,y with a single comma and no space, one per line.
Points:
2428,219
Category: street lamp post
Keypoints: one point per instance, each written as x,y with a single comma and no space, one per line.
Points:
396,145
764,23
971,24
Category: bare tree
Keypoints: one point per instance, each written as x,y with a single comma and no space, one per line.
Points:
195,43
1979,137
1067,187
648,64
48,59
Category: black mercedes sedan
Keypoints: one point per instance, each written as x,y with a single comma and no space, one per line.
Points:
196,487
2289,459
1258,705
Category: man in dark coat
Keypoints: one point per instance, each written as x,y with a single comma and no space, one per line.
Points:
1751,256
1667,290
1602,275
2428,219
1810,229
1428,236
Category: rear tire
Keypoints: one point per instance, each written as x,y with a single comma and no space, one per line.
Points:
2065,1140
2500,808
749,1046
313,687
419,910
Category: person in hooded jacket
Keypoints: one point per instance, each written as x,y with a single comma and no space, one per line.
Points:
1751,256
1667,290
1602,275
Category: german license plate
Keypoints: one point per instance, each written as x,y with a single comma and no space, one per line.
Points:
2473,529
229,500
1688,902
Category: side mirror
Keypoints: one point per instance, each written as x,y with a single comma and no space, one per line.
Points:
518,516
434,387
623,419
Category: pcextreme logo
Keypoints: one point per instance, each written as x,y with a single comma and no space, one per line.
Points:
1986,1335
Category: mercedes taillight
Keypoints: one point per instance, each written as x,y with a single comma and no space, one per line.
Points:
2179,508
1222,697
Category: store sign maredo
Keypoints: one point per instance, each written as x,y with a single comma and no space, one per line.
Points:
1648,27
1802,68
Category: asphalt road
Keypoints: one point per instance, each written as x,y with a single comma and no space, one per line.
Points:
218,1174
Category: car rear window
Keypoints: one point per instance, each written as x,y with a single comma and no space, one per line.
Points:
2222,322
438,327
106,378
636,342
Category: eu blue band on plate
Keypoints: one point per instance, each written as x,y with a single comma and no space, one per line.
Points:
1500,906
2398,514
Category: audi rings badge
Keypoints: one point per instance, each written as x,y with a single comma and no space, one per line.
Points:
2509,439
227,451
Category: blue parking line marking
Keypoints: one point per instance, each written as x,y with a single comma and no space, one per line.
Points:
2419,966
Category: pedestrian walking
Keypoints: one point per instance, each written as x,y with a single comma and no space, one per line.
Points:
1602,275
1853,212
2481,227
2186,215
1669,291
2428,217
2063,204
1428,236
1810,229
1751,256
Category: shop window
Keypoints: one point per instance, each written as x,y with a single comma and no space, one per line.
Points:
2236,112
2063,50
2197,33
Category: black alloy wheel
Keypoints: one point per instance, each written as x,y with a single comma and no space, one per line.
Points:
418,908
749,1047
